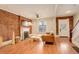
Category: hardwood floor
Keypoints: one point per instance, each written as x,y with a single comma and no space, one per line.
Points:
61,46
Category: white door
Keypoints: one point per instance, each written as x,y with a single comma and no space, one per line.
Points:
63,27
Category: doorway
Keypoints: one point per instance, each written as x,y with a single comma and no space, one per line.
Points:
63,27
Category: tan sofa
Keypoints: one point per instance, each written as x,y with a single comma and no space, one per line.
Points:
48,38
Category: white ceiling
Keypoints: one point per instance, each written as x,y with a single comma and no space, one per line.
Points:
44,10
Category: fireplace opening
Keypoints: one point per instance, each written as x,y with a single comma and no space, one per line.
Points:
26,34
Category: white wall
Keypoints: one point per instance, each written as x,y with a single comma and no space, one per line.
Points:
51,26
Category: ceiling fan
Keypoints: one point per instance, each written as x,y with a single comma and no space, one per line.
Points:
37,15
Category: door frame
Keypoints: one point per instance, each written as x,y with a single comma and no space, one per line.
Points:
70,24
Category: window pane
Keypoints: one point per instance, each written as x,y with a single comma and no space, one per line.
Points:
42,26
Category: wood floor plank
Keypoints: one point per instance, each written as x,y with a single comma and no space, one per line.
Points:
61,46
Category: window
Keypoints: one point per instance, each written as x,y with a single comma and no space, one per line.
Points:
42,26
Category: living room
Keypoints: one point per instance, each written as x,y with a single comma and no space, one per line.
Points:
38,28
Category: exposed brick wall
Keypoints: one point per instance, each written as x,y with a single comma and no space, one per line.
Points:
8,23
